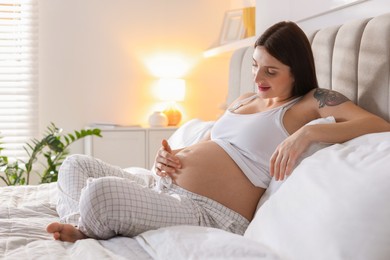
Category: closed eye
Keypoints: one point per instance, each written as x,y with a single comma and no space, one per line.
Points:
270,72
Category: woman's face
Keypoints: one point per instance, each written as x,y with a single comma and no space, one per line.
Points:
273,78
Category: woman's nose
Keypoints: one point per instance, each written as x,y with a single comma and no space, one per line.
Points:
257,76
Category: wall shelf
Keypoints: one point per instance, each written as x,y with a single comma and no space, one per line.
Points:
229,47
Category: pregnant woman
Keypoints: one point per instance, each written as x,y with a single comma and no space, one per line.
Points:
218,181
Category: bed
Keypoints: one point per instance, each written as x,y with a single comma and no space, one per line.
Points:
333,206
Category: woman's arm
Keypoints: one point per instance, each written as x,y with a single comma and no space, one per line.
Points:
351,121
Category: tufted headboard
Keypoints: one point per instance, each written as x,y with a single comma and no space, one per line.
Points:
353,58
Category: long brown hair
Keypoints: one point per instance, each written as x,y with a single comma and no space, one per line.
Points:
288,43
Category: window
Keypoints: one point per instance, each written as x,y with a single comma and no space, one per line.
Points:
18,75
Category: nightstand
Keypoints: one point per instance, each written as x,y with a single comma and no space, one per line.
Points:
127,146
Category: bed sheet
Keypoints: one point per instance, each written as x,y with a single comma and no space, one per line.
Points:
24,213
193,242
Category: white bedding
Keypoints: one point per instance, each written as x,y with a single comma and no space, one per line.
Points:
333,206
191,242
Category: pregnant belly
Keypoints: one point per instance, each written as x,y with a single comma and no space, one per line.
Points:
209,171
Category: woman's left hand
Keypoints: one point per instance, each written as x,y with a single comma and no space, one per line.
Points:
287,154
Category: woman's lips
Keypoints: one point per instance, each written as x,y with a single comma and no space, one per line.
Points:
263,88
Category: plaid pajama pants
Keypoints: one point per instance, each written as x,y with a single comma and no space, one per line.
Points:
106,201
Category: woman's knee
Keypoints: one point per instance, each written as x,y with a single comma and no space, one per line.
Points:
74,164
99,195
98,206
75,159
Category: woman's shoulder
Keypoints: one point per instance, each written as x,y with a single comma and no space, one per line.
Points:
325,97
308,97
244,96
307,103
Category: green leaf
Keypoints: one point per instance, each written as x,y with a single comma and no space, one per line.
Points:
72,137
67,140
52,148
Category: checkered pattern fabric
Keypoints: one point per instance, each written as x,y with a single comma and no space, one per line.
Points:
105,201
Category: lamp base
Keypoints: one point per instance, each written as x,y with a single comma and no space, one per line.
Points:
173,114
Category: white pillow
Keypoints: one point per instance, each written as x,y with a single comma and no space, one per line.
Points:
189,133
334,206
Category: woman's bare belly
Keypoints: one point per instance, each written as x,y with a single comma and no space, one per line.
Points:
209,171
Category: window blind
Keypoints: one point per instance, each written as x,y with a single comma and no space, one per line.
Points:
18,75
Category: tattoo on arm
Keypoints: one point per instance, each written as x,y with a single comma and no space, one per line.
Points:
327,97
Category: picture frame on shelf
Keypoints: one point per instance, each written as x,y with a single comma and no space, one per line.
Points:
233,27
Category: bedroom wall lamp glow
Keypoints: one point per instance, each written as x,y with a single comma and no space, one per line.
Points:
169,65
172,90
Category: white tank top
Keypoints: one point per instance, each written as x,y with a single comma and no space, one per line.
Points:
251,139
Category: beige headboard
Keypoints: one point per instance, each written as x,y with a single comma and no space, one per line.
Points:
353,58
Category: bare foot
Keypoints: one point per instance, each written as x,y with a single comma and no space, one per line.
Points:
65,232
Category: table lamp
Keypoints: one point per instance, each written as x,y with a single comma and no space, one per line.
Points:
172,91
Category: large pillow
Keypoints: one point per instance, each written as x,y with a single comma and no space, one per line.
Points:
189,133
335,205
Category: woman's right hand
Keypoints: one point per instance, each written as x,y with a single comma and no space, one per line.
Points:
166,163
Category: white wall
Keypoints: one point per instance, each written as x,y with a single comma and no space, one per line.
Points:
269,12
94,59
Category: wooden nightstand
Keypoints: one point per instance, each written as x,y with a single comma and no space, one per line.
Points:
127,146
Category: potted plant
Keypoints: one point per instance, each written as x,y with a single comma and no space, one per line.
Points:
53,147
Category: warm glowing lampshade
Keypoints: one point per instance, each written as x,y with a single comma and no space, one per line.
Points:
172,90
